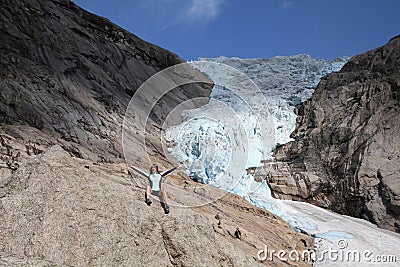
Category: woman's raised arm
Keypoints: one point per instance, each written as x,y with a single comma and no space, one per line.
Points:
140,171
171,170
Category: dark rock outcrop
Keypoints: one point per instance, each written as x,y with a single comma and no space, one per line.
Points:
70,74
346,153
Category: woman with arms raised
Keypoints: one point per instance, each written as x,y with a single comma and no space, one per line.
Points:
154,188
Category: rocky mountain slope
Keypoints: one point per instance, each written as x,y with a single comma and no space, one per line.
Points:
66,197
70,75
345,156
57,210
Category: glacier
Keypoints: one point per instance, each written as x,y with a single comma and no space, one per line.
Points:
284,81
250,112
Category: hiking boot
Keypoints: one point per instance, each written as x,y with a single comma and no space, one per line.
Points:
166,209
148,201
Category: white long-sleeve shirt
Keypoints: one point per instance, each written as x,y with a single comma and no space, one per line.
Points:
154,178
155,181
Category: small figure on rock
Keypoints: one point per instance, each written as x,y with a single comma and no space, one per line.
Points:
218,217
155,189
237,233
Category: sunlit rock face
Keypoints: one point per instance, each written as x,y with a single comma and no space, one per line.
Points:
346,150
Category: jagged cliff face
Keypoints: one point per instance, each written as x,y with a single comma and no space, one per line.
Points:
346,153
70,75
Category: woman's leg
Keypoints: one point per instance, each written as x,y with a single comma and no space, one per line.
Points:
164,196
148,192
147,196
164,202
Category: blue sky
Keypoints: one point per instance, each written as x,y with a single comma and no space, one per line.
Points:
256,28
